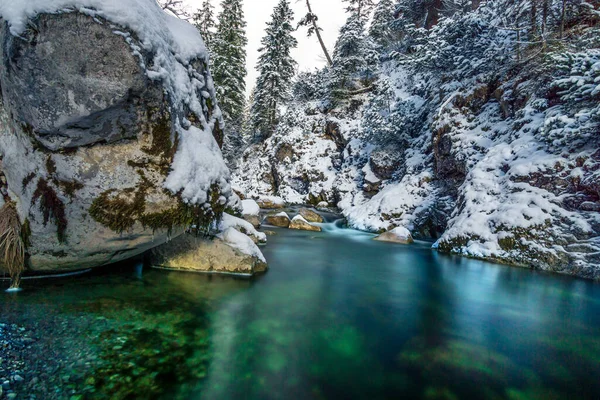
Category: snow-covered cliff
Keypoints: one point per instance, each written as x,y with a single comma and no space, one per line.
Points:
459,141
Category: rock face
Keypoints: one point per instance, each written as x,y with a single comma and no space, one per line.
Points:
281,220
298,222
310,215
397,235
196,254
93,142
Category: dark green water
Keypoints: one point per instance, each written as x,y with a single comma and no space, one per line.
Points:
338,316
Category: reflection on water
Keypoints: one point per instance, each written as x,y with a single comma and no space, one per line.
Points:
337,316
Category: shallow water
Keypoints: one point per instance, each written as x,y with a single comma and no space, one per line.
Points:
338,316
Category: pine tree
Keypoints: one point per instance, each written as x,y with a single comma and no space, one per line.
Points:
276,68
362,8
381,30
354,57
204,20
228,50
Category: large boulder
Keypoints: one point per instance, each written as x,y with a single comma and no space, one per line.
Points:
281,220
251,212
109,130
298,222
399,235
310,215
270,202
232,252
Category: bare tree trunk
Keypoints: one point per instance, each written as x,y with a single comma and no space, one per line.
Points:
314,22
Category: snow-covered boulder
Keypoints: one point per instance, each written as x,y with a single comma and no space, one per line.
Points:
310,215
232,252
298,222
270,202
281,220
109,129
251,212
250,207
397,235
229,221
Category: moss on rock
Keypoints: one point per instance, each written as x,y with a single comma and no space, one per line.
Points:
52,207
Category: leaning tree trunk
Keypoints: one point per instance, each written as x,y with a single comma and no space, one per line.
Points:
314,22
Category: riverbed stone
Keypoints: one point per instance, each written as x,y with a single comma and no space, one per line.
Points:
310,215
397,235
281,220
198,254
298,222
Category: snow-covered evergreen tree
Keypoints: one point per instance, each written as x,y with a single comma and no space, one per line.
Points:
276,67
362,8
228,50
204,20
381,30
355,57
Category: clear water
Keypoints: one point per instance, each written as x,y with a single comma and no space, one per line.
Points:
338,316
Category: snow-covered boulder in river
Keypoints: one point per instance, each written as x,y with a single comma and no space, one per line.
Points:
397,235
109,129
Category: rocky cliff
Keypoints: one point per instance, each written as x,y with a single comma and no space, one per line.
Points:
109,130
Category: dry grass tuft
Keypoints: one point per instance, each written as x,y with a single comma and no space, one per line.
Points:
12,248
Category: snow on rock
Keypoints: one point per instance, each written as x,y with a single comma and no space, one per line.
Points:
300,223
197,151
229,221
242,242
175,45
250,207
397,235
281,220
270,202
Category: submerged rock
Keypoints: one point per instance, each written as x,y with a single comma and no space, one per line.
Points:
298,222
281,220
310,215
397,235
197,254
95,138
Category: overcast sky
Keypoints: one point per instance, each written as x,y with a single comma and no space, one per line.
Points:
308,55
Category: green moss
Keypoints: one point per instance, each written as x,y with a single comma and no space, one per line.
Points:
118,211
137,164
52,208
70,187
161,138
